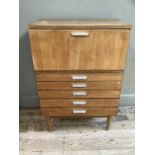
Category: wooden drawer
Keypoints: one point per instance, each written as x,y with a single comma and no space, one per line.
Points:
78,94
103,49
79,103
78,85
55,76
78,111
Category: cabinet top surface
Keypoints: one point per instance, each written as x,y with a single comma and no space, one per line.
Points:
80,23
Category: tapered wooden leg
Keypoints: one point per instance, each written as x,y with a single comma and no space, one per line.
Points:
109,119
49,123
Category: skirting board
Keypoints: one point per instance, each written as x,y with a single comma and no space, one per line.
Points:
32,101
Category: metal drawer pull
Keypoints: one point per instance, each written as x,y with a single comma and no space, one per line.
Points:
79,111
79,85
79,102
79,93
79,77
80,34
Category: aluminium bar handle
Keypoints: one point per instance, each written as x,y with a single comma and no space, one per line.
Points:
80,34
79,102
79,85
79,77
79,111
79,93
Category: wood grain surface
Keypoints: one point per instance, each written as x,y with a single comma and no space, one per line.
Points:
49,94
74,103
69,112
68,76
78,85
59,50
79,23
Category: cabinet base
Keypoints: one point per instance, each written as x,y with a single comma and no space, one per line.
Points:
49,121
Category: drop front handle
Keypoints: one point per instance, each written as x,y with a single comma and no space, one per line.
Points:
80,34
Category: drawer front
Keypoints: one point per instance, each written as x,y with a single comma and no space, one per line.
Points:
79,103
78,85
51,76
79,49
79,94
78,111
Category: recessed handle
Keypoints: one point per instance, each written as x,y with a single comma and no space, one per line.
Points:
79,85
79,102
79,77
79,93
80,34
79,111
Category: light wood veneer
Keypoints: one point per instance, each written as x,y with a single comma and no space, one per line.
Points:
79,66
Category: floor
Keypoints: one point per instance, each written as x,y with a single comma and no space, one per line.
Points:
77,136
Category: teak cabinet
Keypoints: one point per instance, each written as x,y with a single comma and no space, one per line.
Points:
79,66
